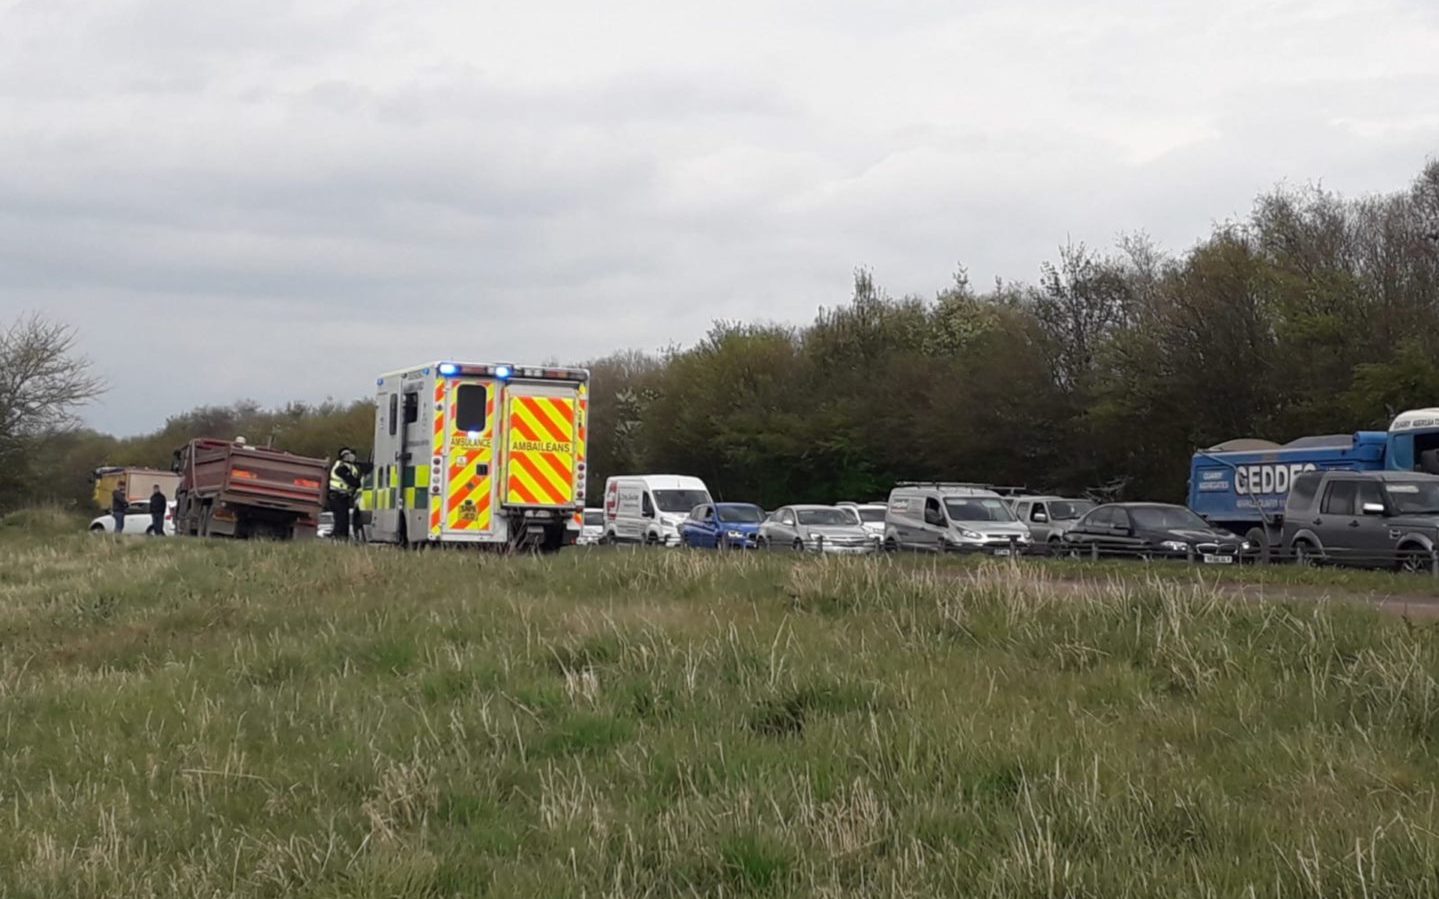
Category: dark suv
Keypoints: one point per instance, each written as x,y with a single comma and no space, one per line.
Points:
1372,519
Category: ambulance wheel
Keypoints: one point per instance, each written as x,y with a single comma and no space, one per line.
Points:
554,540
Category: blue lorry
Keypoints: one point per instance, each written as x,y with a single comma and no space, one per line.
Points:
1242,485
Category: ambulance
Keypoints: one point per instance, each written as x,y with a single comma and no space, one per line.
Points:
483,454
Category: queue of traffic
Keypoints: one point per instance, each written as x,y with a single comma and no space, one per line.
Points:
1380,519
917,516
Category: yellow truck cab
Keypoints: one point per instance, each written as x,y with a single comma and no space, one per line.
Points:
490,454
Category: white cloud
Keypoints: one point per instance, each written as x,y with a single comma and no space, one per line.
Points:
278,200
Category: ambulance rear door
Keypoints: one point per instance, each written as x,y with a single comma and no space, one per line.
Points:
464,462
542,442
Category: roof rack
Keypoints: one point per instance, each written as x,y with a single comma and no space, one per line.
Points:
1002,491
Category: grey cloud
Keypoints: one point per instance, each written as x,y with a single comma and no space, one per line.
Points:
344,187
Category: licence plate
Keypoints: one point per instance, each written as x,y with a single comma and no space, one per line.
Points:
1001,552
1218,560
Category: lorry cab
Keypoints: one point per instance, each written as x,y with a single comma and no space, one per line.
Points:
491,454
1413,442
650,508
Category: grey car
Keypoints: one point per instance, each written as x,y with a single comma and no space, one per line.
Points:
1048,517
815,529
1369,519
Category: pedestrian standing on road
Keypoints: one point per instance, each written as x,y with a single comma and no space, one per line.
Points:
344,484
158,506
119,505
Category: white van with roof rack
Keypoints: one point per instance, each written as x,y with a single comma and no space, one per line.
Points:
948,517
649,508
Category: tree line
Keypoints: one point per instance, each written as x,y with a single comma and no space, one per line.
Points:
1314,314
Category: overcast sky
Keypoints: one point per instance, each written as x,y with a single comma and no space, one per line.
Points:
278,200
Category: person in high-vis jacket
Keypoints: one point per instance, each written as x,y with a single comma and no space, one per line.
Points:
345,480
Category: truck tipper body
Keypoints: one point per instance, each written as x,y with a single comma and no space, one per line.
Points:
1242,485
230,489
483,454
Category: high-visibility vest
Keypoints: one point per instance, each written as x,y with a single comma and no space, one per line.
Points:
337,483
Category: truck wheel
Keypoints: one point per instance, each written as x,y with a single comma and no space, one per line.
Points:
1259,539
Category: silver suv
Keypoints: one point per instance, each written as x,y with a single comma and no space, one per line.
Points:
1049,517
1371,519
940,517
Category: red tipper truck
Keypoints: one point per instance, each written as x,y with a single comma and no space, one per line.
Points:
233,489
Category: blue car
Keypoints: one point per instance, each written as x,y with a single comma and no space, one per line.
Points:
722,526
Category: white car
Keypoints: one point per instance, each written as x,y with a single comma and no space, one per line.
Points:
871,517
137,521
594,528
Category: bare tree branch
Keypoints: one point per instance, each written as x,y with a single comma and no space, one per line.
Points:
42,382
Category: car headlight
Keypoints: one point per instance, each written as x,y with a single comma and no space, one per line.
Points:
1174,546
967,534
734,535
1246,546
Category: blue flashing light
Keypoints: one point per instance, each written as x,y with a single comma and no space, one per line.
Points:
502,371
449,369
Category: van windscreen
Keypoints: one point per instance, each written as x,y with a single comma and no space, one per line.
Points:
977,508
677,501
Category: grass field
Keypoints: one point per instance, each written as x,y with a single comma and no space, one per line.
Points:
186,718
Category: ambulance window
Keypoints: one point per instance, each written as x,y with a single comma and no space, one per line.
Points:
412,408
470,406
394,412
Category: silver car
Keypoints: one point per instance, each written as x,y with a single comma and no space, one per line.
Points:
1048,517
815,529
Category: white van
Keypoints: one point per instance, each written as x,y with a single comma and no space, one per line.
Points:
943,517
648,508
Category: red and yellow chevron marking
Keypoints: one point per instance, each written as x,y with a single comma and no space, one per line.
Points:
541,470
467,507
468,496
437,448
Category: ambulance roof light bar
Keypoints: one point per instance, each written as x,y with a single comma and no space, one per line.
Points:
504,371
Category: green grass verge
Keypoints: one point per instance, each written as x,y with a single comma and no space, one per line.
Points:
188,718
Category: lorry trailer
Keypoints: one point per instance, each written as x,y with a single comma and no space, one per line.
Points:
139,484
232,489
1242,485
